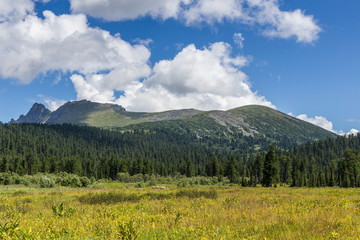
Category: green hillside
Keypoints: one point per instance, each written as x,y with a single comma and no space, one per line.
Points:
109,115
249,128
275,125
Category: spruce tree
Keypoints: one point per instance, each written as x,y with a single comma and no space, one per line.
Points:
271,168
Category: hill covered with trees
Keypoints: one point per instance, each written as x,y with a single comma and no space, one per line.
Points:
94,152
248,128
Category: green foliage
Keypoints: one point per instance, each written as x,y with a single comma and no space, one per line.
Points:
128,231
349,169
109,198
10,230
85,181
62,211
271,168
192,193
237,213
115,197
166,152
47,182
201,181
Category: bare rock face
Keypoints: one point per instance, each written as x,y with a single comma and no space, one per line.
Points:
37,114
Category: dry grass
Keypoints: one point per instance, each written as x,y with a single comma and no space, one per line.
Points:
236,213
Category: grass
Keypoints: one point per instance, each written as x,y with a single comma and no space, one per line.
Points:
187,213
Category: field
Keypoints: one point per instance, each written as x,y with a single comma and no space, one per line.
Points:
179,213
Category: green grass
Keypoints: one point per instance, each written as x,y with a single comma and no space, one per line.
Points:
111,118
186,213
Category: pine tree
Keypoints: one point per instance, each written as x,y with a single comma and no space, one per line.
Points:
232,170
271,168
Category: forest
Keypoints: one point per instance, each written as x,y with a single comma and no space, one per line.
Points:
28,149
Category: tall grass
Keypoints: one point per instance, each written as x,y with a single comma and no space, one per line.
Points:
186,213
114,197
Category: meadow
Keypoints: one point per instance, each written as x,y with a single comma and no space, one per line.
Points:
121,211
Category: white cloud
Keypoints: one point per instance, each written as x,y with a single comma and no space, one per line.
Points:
145,42
239,39
33,46
317,120
211,11
352,132
102,64
114,10
205,79
11,10
208,78
293,24
264,13
324,123
51,103
91,88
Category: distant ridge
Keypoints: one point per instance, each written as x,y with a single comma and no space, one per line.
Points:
37,114
250,122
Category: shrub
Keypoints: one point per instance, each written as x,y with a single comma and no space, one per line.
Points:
71,181
46,182
140,185
123,177
128,231
85,181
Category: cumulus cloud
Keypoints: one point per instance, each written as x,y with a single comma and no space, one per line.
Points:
51,103
205,79
102,64
264,13
208,78
114,10
353,132
93,88
324,123
11,10
318,120
33,45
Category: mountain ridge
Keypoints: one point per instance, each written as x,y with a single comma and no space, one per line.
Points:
37,114
260,124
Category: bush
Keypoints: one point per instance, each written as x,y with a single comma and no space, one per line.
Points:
85,181
140,185
46,182
123,177
71,181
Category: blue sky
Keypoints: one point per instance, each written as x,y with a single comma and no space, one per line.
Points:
299,56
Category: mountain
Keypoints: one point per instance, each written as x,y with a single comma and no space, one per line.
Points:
251,128
168,148
37,114
77,112
104,115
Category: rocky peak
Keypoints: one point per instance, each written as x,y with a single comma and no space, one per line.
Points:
37,114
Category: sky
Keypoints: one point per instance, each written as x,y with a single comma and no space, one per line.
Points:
300,57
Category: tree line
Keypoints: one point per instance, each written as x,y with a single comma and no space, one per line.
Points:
92,152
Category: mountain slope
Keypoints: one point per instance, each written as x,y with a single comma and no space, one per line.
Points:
246,127
102,115
250,128
37,114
